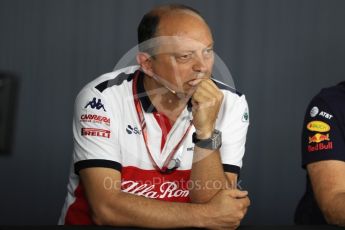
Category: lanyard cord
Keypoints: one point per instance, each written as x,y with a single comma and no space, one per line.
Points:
142,122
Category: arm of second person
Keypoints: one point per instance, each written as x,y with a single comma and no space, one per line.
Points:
327,178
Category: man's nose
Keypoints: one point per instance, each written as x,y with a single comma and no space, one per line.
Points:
200,65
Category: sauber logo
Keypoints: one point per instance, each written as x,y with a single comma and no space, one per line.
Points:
131,130
165,190
95,132
95,118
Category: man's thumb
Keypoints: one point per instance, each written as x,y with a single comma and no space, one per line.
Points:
235,193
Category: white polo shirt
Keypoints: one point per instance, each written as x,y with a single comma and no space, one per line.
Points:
107,134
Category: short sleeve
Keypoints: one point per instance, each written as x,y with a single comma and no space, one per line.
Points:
95,132
234,132
322,138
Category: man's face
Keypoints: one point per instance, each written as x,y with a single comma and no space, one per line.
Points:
185,53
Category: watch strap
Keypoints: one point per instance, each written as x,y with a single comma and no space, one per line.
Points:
213,143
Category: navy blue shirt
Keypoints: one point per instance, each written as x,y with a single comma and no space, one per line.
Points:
323,138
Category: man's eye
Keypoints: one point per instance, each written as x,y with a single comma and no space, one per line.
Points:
184,57
209,51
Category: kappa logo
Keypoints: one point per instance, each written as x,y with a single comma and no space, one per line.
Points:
95,105
131,130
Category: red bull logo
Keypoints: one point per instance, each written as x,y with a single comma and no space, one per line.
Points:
320,147
318,137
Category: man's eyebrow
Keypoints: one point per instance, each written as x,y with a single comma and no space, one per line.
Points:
193,51
210,45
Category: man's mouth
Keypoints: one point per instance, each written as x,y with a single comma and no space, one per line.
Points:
185,90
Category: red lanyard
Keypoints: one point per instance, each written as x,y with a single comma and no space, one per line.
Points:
165,168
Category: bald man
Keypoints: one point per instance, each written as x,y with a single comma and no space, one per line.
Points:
160,145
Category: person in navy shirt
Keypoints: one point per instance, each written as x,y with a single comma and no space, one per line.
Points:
323,157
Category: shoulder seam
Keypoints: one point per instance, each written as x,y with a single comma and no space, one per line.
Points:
118,80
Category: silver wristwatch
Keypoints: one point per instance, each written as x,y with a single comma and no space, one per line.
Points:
213,143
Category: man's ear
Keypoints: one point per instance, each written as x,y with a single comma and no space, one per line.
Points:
145,62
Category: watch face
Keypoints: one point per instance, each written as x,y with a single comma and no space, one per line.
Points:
214,142
216,139
217,142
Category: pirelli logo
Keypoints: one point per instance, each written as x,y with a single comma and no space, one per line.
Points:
95,132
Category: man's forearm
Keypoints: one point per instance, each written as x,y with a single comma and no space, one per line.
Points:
207,175
131,210
334,213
